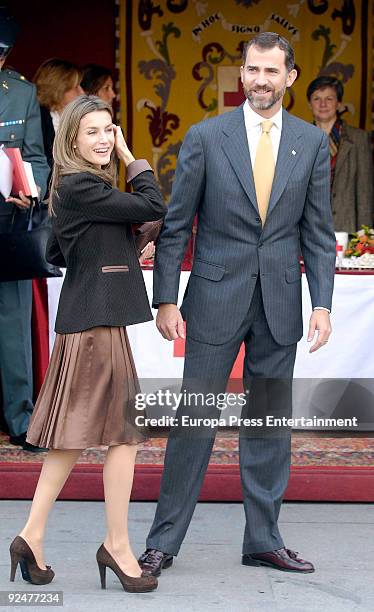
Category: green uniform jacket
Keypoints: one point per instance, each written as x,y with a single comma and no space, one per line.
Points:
20,125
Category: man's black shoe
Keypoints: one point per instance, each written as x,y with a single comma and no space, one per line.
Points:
18,440
152,561
30,448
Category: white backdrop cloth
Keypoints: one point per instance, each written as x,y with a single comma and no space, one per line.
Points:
348,354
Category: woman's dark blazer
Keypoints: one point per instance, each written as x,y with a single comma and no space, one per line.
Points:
48,134
92,238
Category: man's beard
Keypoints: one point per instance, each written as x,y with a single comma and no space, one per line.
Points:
265,104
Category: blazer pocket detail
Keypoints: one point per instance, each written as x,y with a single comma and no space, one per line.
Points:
293,274
207,270
106,269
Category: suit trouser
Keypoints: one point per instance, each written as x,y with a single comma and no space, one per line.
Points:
16,354
264,453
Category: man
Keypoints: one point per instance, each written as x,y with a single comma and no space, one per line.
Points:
19,127
258,179
350,157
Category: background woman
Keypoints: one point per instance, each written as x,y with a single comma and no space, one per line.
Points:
57,83
350,157
87,398
97,80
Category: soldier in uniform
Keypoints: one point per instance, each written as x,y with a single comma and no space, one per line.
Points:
19,127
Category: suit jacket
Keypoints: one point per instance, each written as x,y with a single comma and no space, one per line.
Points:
19,111
92,238
352,190
214,178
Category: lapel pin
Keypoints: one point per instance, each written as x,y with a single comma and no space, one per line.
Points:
293,152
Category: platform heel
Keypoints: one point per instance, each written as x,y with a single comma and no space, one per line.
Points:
143,584
21,553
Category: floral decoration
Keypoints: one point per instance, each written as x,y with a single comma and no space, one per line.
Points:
361,243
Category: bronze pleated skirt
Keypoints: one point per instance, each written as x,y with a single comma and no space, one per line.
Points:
88,396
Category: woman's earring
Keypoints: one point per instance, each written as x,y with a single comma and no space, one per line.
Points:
74,146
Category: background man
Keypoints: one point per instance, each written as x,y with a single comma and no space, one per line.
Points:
19,127
258,179
350,157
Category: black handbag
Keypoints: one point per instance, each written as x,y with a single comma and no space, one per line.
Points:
22,249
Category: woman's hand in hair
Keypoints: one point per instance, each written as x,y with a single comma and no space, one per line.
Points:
122,150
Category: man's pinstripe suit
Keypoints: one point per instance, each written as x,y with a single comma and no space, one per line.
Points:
245,285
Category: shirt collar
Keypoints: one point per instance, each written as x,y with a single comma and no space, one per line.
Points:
253,119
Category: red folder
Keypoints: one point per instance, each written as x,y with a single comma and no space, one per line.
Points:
20,182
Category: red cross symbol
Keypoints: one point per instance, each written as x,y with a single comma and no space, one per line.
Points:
236,372
234,98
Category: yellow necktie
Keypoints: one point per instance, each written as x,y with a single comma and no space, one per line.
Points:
263,170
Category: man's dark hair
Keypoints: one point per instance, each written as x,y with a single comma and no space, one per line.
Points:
326,81
269,40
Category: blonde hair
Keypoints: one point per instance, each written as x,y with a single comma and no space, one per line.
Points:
53,78
67,159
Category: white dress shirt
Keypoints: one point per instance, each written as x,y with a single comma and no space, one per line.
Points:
253,128
55,116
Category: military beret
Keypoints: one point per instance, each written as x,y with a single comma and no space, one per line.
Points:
8,28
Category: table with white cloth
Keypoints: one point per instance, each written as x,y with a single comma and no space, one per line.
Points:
335,381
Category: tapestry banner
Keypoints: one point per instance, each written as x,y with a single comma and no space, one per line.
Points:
179,60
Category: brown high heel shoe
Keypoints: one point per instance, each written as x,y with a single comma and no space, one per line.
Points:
131,584
20,552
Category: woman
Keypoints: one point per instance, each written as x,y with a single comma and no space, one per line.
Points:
350,157
87,398
57,83
97,80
